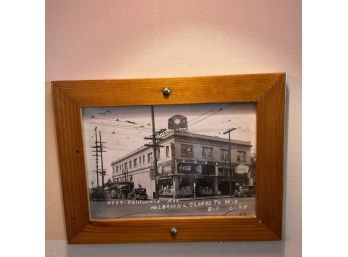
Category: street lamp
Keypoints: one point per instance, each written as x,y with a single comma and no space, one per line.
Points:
229,146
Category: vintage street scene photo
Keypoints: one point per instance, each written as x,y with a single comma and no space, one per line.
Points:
170,160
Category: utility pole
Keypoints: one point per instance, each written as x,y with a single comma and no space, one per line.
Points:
99,148
230,156
156,138
103,172
96,155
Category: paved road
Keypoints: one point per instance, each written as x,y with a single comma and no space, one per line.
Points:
169,207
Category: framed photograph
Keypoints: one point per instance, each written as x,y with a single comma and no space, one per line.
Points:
171,159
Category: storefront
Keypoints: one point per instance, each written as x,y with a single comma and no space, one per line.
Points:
229,181
196,179
165,186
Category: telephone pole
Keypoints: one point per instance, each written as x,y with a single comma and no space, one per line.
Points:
156,138
103,172
230,155
99,148
96,155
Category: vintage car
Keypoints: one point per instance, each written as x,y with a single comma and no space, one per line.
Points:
122,190
251,191
98,194
140,194
245,191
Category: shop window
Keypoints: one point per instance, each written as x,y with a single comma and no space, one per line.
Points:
241,156
185,187
165,186
223,172
208,170
207,152
186,150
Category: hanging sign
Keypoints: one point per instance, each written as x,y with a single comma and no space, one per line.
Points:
242,169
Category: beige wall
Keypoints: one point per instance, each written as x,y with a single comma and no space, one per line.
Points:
90,39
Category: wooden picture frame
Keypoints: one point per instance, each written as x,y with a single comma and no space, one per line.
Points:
266,90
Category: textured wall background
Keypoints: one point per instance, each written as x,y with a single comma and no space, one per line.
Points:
94,39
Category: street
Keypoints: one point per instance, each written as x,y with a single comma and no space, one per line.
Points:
117,208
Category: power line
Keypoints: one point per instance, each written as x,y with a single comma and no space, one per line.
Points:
204,113
124,134
119,126
146,126
220,109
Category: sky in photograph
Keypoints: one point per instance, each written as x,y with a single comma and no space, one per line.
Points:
123,128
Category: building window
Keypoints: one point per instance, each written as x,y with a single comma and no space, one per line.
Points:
158,153
241,156
116,169
224,155
139,161
149,158
207,152
167,151
135,163
130,164
125,166
143,159
186,150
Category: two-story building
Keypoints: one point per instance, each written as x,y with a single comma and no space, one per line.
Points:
189,164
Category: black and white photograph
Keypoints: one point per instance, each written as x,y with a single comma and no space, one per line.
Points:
170,160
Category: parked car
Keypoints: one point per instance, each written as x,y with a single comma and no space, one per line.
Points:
140,194
245,191
251,191
98,194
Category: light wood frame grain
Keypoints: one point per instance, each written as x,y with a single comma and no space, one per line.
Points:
266,90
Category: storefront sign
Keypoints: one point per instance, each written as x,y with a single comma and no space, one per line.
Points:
185,168
242,169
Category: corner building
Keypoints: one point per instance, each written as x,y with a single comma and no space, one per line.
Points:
189,165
